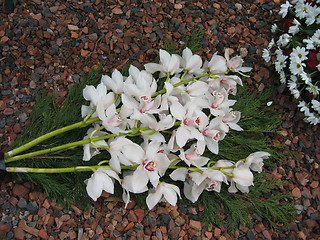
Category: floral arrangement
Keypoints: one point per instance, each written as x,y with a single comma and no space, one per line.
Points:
297,55
155,124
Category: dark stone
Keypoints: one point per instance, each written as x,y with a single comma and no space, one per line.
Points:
257,217
76,77
6,92
314,216
267,6
211,11
250,235
252,49
57,213
32,224
46,12
32,208
281,88
22,203
12,209
10,121
165,219
35,76
2,122
10,235
260,24
5,206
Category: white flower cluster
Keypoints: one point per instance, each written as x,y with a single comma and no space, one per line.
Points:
176,125
297,54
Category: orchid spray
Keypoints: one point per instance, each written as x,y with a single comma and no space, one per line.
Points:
175,126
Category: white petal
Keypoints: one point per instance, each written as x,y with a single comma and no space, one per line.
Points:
139,180
177,110
94,187
153,198
179,174
198,88
234,126
212,146
182,136
194,63
90,94
171,196
153,67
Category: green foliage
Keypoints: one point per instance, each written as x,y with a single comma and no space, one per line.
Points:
48,116
195,42
237,208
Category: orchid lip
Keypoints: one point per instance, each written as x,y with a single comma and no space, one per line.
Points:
149,165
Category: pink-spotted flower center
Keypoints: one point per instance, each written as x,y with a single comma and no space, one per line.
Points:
229,117
192,121
149,165
213,185
218,99
214,134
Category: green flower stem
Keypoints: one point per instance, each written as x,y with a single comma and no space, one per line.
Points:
94,168
44,137
188,80
71,145
52,170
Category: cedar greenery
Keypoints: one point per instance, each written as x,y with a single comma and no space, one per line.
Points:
219,208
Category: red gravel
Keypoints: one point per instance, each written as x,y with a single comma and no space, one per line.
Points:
50,44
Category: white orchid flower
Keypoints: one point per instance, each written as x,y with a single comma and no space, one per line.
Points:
90,150
255,161
242,178
168,64
197,89
218,101
213,133
124,151
190,118
140,84
229,120
90,93
101,180
152,166
100,99
235,63
115,83
217,64
164,191
193,157
191,62
228,82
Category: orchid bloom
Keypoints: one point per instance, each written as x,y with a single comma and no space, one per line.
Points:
124,151
193,157
101,180
229,83
191,62
168,64
217,64
190,118
242,178
164,191
152,165
90,150
213,133
235,63
218,100
255,161
140,84
115,83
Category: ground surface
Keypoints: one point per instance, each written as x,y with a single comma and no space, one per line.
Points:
50,44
